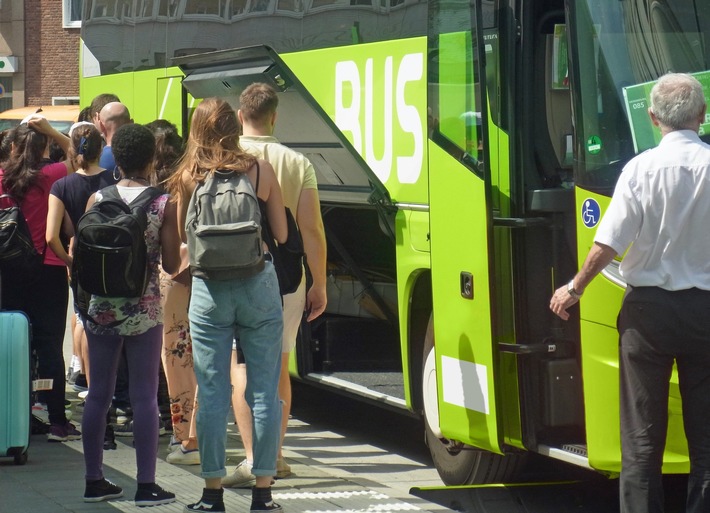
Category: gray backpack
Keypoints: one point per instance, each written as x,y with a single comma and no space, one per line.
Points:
223,228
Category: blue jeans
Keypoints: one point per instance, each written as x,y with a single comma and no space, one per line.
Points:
249,308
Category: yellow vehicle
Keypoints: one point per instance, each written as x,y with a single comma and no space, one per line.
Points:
60,117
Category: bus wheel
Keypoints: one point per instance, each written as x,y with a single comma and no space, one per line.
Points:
457,463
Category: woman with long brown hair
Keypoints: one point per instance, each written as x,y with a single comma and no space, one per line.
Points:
248,308
179,373
40,290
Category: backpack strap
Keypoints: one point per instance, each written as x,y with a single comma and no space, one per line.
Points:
258,175
11,197
144,199
110,192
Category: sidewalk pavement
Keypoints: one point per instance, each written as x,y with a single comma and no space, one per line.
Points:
330,473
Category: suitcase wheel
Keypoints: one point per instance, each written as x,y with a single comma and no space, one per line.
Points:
21,459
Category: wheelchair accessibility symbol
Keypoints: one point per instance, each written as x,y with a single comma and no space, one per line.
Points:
590,213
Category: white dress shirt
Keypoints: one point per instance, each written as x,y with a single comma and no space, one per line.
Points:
660,211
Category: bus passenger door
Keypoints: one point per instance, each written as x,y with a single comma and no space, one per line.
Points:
461,228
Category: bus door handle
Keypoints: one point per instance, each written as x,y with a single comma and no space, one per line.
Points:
521,222
544,347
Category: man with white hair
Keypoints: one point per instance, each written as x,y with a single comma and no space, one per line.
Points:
659,212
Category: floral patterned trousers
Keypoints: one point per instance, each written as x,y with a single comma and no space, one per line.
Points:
177,358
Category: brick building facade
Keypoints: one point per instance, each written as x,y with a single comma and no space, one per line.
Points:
46,53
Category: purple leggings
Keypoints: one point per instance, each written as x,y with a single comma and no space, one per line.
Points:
143,359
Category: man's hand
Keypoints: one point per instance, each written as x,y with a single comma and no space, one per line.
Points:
599,256
561,301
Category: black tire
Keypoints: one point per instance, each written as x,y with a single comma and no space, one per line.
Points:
460,464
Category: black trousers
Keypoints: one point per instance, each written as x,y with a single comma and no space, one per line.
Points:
657,328
44,297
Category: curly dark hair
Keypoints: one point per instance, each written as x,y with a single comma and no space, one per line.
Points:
133,147
168,147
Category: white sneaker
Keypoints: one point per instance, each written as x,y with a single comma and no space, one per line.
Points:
241,477
180,456
174,444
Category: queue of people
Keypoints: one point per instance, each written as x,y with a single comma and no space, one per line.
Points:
184,326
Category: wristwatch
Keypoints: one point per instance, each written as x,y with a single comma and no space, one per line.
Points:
572,292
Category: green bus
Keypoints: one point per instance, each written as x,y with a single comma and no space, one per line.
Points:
465,151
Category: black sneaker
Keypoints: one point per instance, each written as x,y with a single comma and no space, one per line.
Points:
264,507
217,507
101,490
37,426
80,383
123,429
152,495
211,501
109,438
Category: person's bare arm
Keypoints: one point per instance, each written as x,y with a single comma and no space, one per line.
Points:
600,255
41,125
183,195
55,219
310,223
90,202
169,239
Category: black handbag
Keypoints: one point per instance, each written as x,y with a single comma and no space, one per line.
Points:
17,250
288,257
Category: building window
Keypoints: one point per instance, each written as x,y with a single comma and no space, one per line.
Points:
5,93
71,13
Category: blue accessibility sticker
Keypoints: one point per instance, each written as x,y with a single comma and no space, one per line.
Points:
591,212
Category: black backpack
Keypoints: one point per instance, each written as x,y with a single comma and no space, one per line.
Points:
17,251
288,257
110,252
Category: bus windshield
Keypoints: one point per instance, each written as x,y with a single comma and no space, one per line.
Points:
616,49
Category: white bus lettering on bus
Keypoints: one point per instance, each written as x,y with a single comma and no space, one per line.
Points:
349,117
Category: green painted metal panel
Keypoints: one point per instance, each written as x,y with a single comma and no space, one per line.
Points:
463,332
413,260
149,94
599,309
376,94
504,329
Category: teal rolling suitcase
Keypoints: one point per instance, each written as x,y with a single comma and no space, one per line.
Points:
14,385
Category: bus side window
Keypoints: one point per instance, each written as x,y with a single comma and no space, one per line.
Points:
558,100
552,109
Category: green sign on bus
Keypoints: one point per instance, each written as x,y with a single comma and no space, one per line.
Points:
638,99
